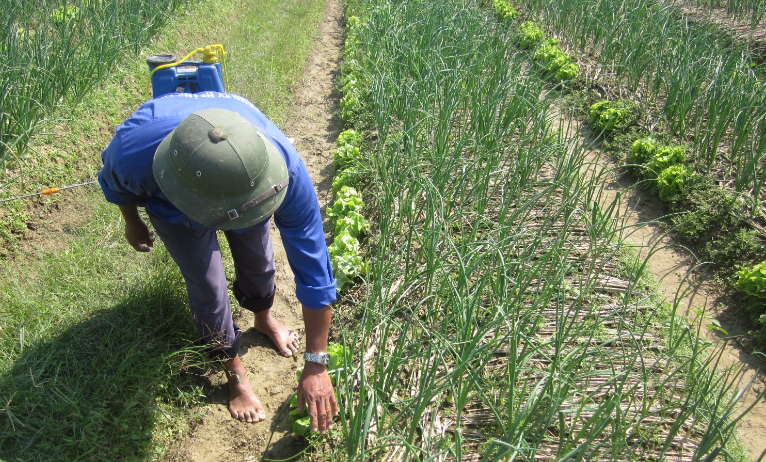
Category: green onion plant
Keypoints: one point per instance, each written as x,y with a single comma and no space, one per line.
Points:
495,323
57,51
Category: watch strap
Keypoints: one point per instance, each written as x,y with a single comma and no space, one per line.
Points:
321,358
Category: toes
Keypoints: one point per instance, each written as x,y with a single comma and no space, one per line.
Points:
293,342
249,416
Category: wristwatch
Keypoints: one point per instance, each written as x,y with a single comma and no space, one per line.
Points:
321,358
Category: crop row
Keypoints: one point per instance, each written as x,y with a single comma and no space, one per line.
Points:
57,51
493,320
712,89
751,10
719,225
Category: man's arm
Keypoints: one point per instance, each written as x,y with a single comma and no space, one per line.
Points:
139,236
315,387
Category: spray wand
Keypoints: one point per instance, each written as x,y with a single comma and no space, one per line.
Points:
49,191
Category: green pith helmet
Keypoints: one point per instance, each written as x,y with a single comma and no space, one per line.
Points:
220,170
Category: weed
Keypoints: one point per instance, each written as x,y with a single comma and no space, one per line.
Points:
713,221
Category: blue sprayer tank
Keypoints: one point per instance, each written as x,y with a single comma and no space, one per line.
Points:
185,77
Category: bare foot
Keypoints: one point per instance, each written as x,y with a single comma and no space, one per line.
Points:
243,404
286,340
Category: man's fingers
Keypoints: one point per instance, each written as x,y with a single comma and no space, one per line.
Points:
334,402
313,415
324,415
301,402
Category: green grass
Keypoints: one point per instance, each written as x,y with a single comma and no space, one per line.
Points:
98,359
87,371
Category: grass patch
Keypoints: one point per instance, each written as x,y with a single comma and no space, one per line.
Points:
94,355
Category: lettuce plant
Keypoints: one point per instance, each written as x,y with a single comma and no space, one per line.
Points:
612,115
505,10
556,64
347,151
342,178
671,181
642,150
530,35
354,224
752,281
348,200
665,157
346,259
345,154
350,136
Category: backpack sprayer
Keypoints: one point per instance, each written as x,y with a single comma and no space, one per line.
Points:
168,75
171,76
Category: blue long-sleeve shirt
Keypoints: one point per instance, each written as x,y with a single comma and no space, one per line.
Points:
127,178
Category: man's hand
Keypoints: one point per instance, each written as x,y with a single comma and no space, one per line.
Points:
139,236
315,391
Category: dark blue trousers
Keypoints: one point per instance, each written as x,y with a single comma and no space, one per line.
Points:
197,253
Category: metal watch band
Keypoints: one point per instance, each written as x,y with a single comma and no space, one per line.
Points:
321,358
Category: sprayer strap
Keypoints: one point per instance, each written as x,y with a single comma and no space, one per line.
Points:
236,213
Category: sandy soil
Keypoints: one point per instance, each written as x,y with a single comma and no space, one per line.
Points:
314,128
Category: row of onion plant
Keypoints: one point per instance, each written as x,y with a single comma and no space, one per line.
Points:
57,51
753,11
494,321
713,91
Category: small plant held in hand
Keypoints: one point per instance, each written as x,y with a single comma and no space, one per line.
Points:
301,425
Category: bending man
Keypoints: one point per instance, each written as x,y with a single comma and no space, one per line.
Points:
202,162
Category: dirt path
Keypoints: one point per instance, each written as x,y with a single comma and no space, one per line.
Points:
314,128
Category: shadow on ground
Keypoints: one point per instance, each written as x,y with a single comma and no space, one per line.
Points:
100,389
